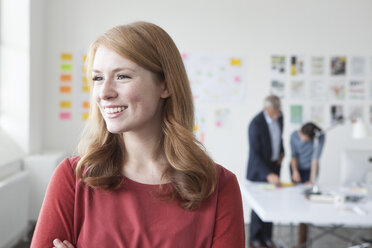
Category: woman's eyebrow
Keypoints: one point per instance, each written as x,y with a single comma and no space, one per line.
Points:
116,69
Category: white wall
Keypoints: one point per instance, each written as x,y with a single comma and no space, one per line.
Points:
248,27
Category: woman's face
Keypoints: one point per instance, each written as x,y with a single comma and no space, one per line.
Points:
129,97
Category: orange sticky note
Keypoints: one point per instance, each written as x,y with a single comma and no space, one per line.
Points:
65,78
65,104
85,88
66,56
65,89
236,62
85,116
65,116
85,104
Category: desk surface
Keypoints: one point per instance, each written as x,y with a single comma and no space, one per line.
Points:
289,205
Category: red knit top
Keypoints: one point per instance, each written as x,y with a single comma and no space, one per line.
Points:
133,216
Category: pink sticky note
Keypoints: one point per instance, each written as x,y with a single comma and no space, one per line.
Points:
237,79
218,124
184,55
65,115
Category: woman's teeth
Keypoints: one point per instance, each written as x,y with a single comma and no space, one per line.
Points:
114,110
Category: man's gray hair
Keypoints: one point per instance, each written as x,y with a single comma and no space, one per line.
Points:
272,101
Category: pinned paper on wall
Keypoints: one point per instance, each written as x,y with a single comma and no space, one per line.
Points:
297,89
222,117
201,115
278,65
337,89
358,66
337,113
317,66
355,112
297,65
338,66
317,114
356,89
216,78
318,90
277,87
296,114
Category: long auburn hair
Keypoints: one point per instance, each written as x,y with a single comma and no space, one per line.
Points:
191,172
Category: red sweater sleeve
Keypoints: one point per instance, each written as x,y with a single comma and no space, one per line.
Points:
229,226
57,212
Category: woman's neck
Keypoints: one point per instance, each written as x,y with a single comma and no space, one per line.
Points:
140,162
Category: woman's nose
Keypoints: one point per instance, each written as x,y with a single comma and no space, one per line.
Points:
108,90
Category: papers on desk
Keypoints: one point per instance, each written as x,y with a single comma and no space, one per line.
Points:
268,186
324,197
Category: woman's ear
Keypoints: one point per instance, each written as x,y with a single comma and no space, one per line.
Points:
164,90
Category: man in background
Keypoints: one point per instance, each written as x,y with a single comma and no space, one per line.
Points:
265,156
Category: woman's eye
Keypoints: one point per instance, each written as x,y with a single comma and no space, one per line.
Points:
97,78
122,76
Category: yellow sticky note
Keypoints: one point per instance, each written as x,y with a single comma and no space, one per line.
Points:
196,128
85,80
66,56
85,116
65,104
84,69
84,58
236,62
85,88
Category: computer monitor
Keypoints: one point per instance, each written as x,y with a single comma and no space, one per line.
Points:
356,167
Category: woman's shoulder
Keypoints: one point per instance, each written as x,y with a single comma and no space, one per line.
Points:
225,176
68,164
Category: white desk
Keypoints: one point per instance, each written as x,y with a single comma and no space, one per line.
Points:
288,205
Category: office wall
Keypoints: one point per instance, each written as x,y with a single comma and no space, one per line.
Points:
255,29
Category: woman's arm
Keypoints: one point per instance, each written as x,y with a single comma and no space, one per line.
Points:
57,212
295,173
229,224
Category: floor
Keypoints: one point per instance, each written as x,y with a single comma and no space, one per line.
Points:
282,236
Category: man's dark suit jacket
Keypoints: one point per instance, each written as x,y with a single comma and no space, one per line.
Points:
259,162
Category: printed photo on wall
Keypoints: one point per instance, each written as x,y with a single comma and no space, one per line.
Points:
317,114
297,89
337,89
297,65
356,89
355,112
277,87
337,113
296,114
318,90
358,66
278,65
338,66
317,66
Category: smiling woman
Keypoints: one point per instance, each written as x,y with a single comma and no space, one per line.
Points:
141,178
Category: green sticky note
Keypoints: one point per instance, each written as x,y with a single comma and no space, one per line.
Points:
66,67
